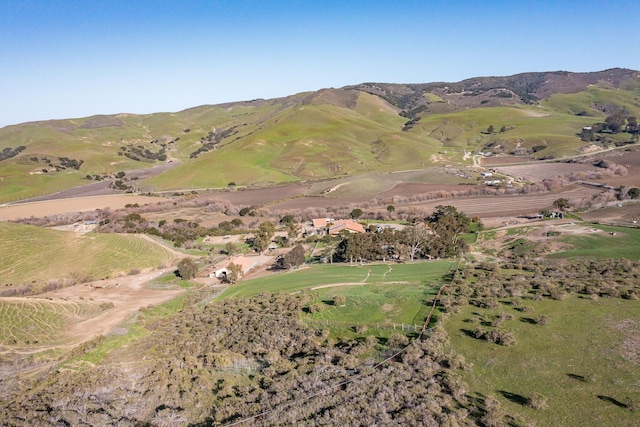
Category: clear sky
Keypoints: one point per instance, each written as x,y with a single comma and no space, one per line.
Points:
76,58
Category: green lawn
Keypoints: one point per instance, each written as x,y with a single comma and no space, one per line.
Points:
582,359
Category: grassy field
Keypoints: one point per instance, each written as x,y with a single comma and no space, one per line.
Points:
35,321
585,358
328,274
375,294
625,243
39,254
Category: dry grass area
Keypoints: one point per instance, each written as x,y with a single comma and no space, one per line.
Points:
257,196
630,347
61,206
625,214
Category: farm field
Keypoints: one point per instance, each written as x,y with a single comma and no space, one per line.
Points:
484,206
496,206
540,171
61,206
37,254
584,360
38,329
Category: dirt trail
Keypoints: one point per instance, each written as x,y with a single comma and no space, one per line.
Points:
128,294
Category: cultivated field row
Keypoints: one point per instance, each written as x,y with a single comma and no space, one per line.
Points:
36,321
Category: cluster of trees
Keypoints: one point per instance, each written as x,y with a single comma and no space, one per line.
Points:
212,139
615,123
293,258
543,279
62,163
66,162
180,231
141,153
438,236
9,152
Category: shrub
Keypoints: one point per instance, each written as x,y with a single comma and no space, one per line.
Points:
397,340
537,401
187,268
541,320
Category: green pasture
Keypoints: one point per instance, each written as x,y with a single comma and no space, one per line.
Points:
581,361
586,101
37,321
38,254
376,305
305,142
376,295
306,278
625,243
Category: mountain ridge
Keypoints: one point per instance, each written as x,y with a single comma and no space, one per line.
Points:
328,133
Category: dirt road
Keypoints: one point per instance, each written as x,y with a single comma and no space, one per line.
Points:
127,294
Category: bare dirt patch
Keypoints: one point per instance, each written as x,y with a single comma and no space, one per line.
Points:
630,347
127,294
537,172
258,196
625,214
222,240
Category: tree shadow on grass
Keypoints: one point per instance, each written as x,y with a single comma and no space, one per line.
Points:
528,320
515,398
612,400
469,333
576,377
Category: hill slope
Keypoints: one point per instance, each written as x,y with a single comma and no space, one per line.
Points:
332,132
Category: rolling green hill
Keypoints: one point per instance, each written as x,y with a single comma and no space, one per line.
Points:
316,135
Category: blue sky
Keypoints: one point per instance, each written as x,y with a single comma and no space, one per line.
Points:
65,59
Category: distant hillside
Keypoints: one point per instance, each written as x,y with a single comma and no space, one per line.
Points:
525,88
372,127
